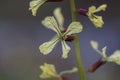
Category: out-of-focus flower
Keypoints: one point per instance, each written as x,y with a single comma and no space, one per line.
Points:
95,19
115,57
56,24
49,71
35,4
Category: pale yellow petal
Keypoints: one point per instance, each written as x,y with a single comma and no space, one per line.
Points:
101,8
94,44
74,27
47,47
65,49
73,70
104,52
34,5
115,57
91,10
50,22
97,21
59,17
48,71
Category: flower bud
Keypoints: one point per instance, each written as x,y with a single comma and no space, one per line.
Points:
54,0
82,11
63,78
96,65
70,38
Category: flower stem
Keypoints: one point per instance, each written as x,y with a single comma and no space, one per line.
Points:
76,43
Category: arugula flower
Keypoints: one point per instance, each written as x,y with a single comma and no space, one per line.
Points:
95,19
35,4
49,71
56,24
90,13
115,57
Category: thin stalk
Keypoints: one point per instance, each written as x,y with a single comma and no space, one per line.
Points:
76,43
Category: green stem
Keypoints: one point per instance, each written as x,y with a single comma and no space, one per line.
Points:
76,43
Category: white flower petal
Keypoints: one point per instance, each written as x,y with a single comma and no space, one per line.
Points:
101,8
73,70
91,10
104,52
48,71
65,49
115,57
97,21
58,15
51,23
47,47
35,4
74,27
94,44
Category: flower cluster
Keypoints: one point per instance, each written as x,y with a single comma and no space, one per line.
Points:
56,23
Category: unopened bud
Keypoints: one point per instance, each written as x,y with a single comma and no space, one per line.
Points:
70,38
63,78
96,65
54,0
82,12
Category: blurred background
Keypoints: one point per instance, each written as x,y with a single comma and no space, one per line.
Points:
21,34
